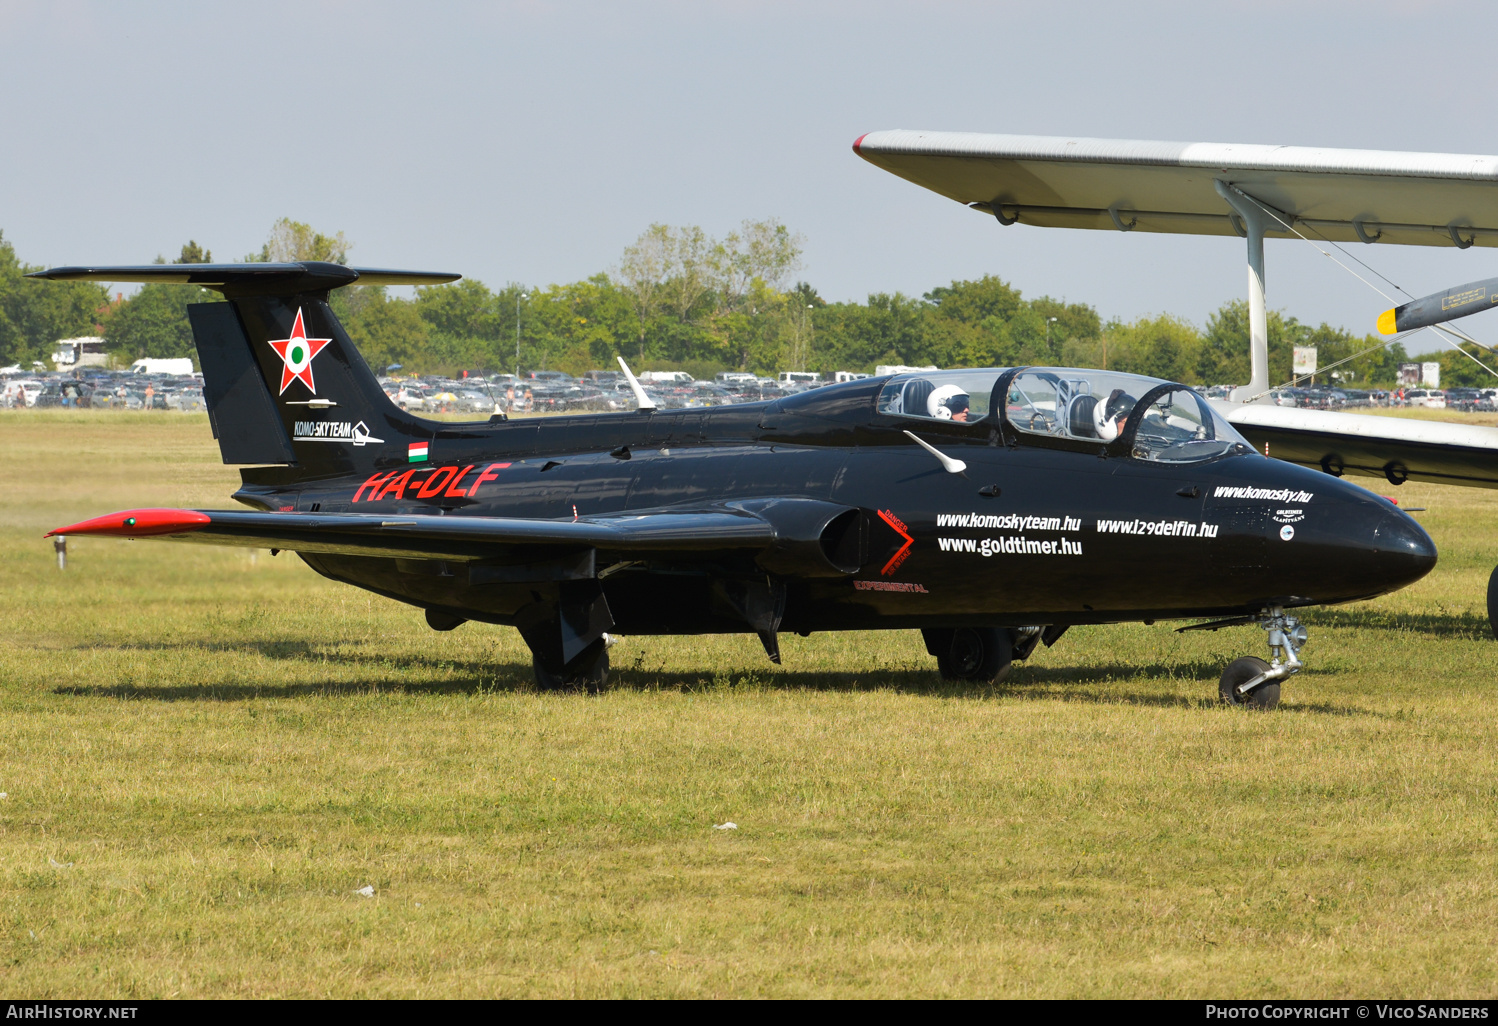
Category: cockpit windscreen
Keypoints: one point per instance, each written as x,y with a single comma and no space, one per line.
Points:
1067,403
1090,405
1180,427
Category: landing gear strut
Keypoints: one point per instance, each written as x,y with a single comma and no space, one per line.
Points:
1252,682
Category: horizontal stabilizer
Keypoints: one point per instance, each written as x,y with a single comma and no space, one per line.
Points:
1462,301
302,276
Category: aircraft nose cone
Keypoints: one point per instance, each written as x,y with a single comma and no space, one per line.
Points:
1404,551
1355,549
1371,547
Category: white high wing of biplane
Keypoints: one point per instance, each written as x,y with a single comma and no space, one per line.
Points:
1323,195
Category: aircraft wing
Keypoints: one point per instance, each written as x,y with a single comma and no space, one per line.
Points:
792,535
1392,448
1423,199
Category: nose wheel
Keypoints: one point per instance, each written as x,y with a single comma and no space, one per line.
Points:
1255,684
1241,671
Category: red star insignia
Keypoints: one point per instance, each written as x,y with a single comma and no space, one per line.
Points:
296,354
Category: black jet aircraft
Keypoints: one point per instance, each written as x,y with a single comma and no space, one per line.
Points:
1311,195
990,509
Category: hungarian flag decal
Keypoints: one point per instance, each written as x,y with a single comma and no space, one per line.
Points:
416,452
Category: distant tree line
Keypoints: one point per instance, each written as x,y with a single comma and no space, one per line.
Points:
682,299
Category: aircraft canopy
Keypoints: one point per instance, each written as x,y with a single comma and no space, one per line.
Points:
1422,199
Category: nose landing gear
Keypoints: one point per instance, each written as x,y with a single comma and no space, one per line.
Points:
1252,682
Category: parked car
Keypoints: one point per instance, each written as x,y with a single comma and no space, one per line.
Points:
471,400
22,391
706,393
410,397
1462,399
186,400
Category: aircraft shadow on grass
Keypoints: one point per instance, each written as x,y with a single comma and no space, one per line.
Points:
1121,684
1471,626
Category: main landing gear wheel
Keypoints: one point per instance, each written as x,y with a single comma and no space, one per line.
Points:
1265,696
590,671
1493,602
972,653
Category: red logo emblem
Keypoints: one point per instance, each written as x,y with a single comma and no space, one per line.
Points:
904,532
296,355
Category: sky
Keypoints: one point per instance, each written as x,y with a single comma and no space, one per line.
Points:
531,142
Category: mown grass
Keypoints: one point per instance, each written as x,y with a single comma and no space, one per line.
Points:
1421,413
205,755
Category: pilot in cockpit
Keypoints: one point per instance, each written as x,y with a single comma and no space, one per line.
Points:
949,402
921,398
1108,417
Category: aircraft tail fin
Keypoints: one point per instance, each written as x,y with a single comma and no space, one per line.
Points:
283,382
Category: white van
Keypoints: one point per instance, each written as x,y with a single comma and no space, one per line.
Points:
800,378
842,376
159,365
1432,398
667,378
885,369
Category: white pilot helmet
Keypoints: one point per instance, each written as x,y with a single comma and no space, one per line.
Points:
946,401
1108,414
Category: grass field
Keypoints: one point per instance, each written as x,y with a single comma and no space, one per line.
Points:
206,754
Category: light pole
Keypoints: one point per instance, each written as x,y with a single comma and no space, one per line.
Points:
518,297
1048,322
803,340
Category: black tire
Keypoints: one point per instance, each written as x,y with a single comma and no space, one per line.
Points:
1493,601
1266,696
589,671
976,654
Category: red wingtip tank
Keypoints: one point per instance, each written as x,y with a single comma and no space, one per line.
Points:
138,523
